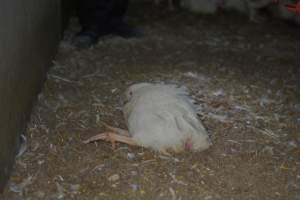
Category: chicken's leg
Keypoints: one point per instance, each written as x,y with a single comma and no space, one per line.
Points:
116,130
113,138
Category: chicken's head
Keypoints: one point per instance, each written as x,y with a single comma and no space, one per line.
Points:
134,89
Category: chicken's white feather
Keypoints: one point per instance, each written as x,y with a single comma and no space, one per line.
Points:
162,116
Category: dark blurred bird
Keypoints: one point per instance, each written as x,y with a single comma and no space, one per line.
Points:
161,117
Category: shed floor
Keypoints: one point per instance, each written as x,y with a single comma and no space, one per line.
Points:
245,76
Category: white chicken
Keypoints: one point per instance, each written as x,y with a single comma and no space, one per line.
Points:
161,117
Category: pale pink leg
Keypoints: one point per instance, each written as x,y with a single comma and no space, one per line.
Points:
113,138
116,130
